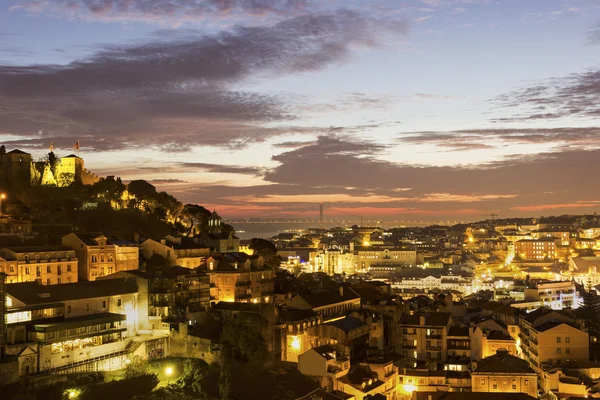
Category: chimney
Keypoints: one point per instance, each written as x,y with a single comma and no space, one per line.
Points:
341,289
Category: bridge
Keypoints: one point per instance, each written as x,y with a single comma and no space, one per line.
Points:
350,219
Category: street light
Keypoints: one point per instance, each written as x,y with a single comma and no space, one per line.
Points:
169,372
2,197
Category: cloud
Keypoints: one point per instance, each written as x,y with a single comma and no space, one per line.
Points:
593,36
165,181
586,138
224,169
575,95
179,93
160,11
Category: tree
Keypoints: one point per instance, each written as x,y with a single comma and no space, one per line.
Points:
267,250
196,217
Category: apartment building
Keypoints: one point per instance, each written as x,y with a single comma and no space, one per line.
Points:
425,335
335,260
185,252
238,277
537,249
550,337
168,296
84,326
556,295
503,373
96,255
48,265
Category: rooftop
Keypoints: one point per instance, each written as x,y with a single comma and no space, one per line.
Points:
31,293
330,297
502,362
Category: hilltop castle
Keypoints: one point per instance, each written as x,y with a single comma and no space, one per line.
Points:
18,167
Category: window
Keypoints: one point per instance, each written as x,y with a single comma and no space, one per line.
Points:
69,309
526,383
558,340
48,282
94,258
558,350
110,257
118,302
494,384
49,269
514,384
27,270
104,304
482,382
68,267
87,306
567,351
567,340
101,257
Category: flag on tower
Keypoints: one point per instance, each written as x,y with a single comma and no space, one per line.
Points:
77,145
51,147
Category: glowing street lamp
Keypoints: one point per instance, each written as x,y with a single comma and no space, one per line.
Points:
169,372
2,197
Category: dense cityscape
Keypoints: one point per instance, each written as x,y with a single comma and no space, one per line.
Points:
299,199
163,300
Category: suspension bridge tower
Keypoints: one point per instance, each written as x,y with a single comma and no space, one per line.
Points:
321,213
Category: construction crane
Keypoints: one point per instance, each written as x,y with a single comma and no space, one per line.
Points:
491,215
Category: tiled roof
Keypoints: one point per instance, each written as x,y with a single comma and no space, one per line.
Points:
503,362
322,394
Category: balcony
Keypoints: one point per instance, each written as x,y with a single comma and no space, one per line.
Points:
243,283
434,348
434,336
409,346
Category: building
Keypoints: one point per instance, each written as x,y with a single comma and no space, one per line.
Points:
84,326
96,255
425,336
127,255
335,260
169,296
329,305
325,364
65,171
185,252
239,277
48,265
503,373
220,242
363,383
294,337
537,249
380,256
549,337
16,167
556,295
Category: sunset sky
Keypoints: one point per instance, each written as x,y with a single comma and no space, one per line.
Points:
391,109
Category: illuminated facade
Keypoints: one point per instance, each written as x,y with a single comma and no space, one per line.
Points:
239,277
95,253
68,327
368,256
48,265
503,373
539,249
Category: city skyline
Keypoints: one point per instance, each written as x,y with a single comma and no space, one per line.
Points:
414,110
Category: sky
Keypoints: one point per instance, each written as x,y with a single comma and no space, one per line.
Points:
391,109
